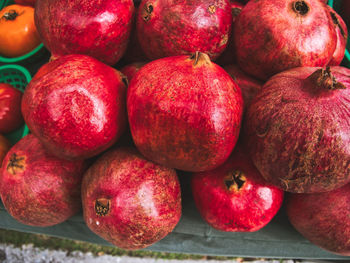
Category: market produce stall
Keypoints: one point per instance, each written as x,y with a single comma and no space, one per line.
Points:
192,234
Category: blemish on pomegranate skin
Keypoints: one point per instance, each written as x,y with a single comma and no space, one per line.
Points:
16,164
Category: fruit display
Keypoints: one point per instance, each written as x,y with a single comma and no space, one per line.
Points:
211,127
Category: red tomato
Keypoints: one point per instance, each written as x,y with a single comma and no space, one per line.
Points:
10,108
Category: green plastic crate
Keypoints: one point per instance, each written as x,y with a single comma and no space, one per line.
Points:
18,77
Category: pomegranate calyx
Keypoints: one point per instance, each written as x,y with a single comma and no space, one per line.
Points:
147,12
324,78
200,58
102,206
15,163
300,7
235,180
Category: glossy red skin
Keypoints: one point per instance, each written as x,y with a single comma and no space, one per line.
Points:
269,37
130,70
246,209
145,199
179,27
99,29
298,133
248,85
323,218
182,115
342,37
77,109
46,191
10,108
25,2
229,54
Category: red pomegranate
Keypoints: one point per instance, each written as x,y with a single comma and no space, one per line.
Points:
184,112
342,37
130,201
130,70
37,188
229,54
323,218
235,197
273,36
76,106
169,28
297,129
249,86
90,27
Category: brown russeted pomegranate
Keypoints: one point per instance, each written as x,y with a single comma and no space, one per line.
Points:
273,36
184,112
38,188
96,28
130,201
298,127
342,37
76,106
323,218
169,28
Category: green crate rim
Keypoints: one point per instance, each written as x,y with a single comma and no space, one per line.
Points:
28,77
21,58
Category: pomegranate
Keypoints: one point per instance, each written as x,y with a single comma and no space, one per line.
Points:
130,70
323,218
273,36
249,86
76,106
342,37
184,112
130,201
177,27
229,55
235,197
297,129
96,28
37,188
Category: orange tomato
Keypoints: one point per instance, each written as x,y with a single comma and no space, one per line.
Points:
18,34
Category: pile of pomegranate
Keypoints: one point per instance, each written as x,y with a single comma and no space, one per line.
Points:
248,97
